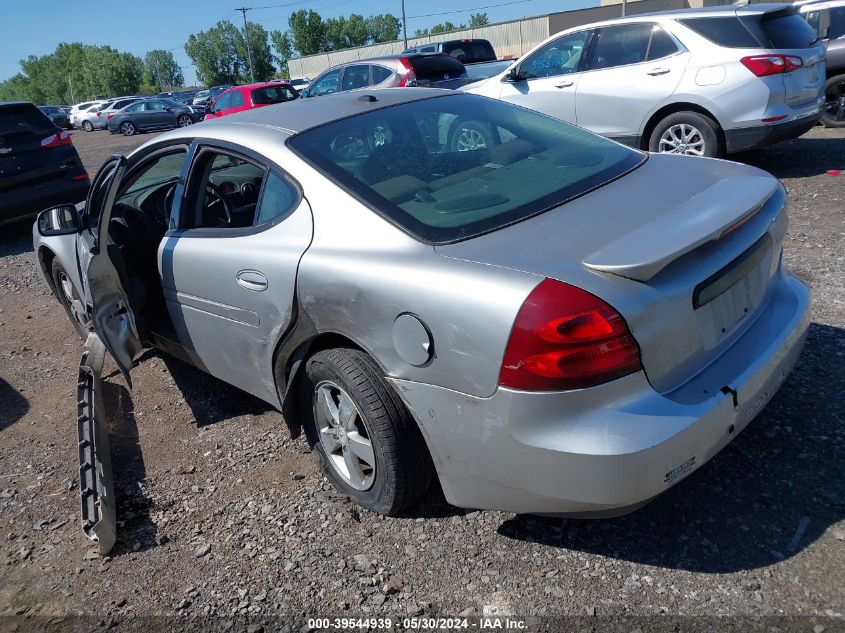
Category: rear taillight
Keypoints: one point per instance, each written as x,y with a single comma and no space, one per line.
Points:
765,65
566,338
99,113
59,138
108,118
410,78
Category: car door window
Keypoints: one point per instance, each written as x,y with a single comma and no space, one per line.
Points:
236,99
136,107
145,197
380,74
223,192
559,57
223,102
837,23
156,106
327,84
357,76
277,200
661,44
621,45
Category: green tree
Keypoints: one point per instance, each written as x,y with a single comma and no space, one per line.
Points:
446,27
217,54
383,28
259,46
308,32
161,69
478,19
283,45
421,32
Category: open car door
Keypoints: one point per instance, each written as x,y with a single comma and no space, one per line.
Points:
115,331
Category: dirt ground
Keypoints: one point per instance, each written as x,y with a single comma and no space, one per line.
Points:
221,514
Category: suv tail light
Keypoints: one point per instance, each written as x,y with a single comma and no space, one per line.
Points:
765,65
410,78
566,338
59,138
109,117
99,113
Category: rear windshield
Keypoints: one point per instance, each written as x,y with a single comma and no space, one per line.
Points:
781,29
50,109
434,67
451,167
23,119
273,94
470,51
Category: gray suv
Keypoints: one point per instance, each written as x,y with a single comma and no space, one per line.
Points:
703,82
827,18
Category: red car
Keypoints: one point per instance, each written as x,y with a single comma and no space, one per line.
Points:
251,96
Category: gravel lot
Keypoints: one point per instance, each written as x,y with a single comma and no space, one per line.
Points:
220,513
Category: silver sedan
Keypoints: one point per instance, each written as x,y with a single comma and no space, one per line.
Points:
550,322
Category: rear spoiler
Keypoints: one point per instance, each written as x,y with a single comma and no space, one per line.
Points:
706,217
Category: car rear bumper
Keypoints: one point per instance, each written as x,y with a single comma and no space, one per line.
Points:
746,138
24,201
606,450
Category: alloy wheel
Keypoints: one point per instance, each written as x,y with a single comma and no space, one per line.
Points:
682,138
470,139
184,120
127,128
343,436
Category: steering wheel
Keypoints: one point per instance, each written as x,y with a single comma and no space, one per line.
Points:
218,198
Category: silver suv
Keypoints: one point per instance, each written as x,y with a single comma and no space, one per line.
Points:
704,82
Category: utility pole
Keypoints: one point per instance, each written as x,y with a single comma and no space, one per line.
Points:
404,25
624,8
248,47
70,81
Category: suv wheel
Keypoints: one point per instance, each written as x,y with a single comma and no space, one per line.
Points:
833,112
127,129
88,126
688,133
365,440
471,135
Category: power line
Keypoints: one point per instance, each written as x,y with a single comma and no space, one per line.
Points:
489,6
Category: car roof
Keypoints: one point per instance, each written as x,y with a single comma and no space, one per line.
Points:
715,11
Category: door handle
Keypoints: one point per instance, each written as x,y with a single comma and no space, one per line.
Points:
564,83
252,280
658,71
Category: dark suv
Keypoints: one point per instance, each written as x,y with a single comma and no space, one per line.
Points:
39,166
827,17
468,51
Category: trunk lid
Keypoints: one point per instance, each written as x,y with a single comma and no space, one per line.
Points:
22,158
687,264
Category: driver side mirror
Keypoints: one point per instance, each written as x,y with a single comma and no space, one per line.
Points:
60,220
513,75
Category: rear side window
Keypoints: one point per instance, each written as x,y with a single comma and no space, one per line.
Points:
724,31
781,29
470,51
380,73
272,94
434,67
23,119
236,99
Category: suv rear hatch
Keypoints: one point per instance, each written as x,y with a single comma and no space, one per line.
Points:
689,266
784,32
438,71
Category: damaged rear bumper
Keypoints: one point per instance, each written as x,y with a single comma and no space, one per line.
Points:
96,486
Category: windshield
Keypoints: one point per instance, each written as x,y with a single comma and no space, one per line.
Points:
451,167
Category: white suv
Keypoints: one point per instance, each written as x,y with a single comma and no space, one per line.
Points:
704,82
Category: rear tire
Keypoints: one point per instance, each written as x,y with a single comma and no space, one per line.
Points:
402,468
127,128
688,133
67,293
88,126
833,111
